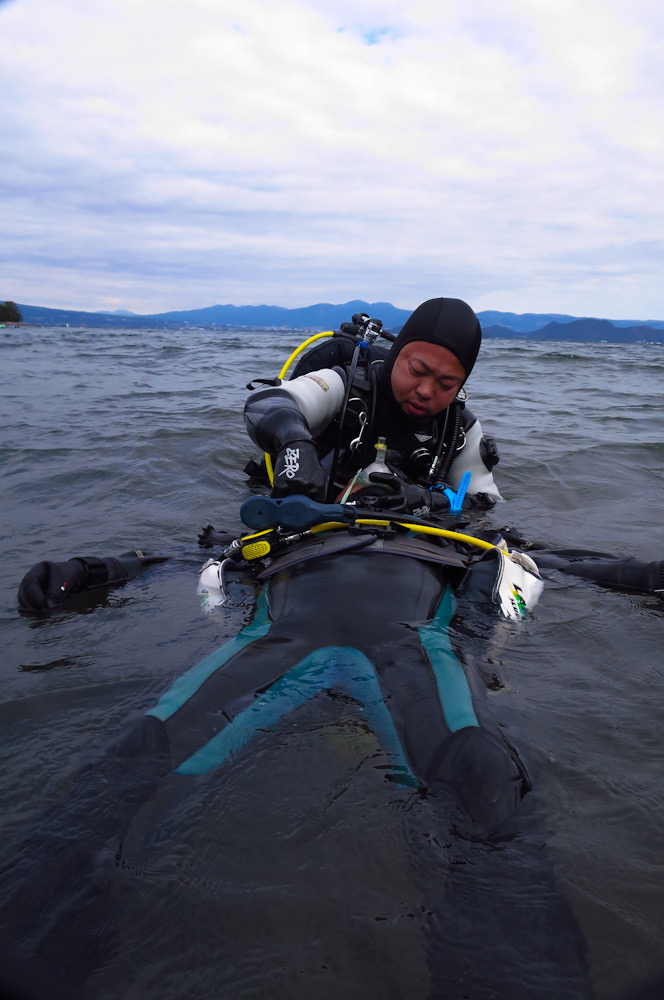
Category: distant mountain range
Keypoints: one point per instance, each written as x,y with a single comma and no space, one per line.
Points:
588,330
324,316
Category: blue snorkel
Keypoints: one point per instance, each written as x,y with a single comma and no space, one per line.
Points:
455,499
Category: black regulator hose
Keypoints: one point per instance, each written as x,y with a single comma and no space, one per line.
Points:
444,468
342,418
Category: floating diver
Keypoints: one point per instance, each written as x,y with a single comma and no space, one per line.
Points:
364,600
381,608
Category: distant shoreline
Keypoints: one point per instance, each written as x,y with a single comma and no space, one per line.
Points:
325,316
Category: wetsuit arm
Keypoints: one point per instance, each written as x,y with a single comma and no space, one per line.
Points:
48,584
298,410
285,421
615,572
273,420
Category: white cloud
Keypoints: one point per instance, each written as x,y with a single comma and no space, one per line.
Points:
173,153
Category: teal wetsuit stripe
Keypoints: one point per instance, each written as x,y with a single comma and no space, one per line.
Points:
453,690
330,666
185,686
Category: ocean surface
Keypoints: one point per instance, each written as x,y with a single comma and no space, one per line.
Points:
299,871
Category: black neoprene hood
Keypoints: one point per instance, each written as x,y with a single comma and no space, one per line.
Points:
449,323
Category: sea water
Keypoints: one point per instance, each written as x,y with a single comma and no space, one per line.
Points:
291,874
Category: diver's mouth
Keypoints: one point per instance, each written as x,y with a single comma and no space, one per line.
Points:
414,409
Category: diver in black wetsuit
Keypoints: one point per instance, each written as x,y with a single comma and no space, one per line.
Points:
321,427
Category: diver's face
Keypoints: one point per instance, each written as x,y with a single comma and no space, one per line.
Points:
425,379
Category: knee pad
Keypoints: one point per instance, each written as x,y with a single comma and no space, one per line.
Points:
486,775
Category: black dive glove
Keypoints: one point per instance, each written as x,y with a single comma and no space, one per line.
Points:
297,469
48,584
392,493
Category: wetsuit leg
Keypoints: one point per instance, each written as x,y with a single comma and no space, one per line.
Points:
217,706
487,777
428,695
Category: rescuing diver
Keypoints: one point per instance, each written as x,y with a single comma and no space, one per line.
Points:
319,428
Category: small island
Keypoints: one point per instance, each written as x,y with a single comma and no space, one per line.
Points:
10,313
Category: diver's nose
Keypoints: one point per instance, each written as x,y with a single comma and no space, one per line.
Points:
425,388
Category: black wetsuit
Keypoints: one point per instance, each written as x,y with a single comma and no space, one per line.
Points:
378,627
422,451
274,421
375,625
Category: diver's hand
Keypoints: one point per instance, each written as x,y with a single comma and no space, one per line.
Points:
479,501
48,584
297,469
392,493
209,537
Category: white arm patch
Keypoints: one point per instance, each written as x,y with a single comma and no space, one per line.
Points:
469,459
319,396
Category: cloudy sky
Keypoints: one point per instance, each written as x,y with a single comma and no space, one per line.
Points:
167,154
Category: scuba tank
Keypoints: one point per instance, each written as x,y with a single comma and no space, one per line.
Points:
379,464
363,477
